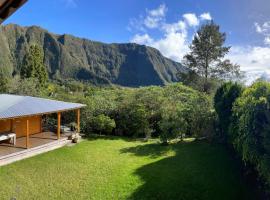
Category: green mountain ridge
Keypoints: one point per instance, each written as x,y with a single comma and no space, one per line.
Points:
67,57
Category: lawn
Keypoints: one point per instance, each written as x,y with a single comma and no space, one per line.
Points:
115,168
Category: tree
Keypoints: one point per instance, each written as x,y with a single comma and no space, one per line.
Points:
250,129
24,86
103,124
33,65
172,124
132,119
4,83
223,102
207,52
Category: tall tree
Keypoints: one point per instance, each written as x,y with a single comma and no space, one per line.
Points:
207,53
33,65
4,82
224,99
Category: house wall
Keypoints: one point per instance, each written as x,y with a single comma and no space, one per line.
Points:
34,125
5,125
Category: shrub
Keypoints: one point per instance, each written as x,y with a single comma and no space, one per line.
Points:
103,124
172,124
132,120
251,126
223,102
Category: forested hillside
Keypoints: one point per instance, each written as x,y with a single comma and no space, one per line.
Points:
67,56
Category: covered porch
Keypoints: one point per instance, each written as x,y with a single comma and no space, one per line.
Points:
35,140
22,130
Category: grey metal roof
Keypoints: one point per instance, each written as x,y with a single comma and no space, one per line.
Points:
12,106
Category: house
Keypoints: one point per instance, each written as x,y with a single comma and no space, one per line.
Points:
8,7
21,125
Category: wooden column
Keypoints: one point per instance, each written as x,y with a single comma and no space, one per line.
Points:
27,134
11,125
58,125
78,120
41,124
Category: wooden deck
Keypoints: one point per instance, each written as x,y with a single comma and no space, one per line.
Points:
39,143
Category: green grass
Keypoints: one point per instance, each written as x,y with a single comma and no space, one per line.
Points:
113,168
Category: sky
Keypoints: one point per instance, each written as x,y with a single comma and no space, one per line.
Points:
168,25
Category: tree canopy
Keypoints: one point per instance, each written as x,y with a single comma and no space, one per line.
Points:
33,65
206,57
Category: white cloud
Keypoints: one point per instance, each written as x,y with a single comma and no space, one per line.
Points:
159,12
267,40
173,45
142,39
174,27
205,16
258,27
191,19
174,40
264,29
155,16
136,24
255,61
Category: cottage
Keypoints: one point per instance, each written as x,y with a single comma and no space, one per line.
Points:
21,124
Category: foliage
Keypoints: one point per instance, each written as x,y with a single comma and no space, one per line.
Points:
223,102
207,52
27,86
4,83
172,123
138,112
103,124
250,124
132,120
33,65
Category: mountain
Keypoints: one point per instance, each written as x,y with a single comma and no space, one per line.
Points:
67,56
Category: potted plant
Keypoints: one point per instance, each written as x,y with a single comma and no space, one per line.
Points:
76,138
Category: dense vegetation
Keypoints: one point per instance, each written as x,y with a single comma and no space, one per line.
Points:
116,168
170,112
69,57
249,125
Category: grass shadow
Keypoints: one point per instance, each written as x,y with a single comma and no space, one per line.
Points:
93,137
198,170
153,150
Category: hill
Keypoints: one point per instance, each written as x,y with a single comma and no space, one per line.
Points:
67,56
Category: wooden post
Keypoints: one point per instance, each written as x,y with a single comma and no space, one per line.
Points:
11,125
58,125
41,124
78,120
27,134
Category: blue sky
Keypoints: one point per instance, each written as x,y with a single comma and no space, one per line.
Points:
167,25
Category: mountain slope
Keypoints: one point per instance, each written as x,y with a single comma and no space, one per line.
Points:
67,56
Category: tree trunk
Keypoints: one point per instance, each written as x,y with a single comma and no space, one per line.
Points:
205,84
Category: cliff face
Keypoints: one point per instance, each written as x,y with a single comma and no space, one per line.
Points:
67,56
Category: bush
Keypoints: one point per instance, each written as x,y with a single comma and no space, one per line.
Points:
251,126
132,120
103,124
172,124
223,102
